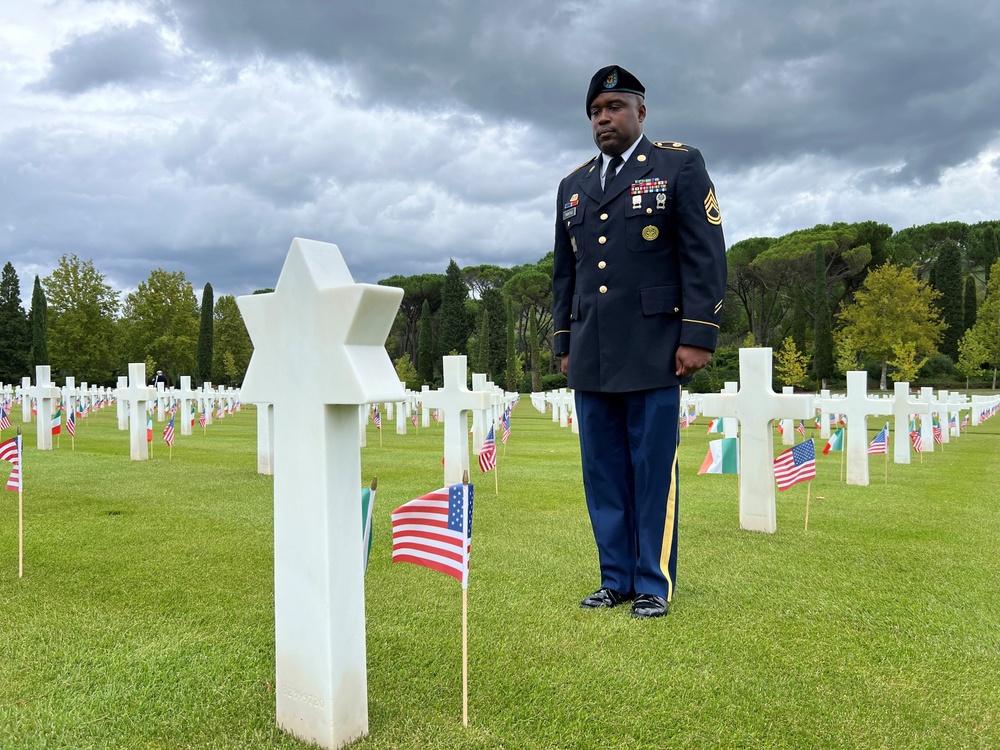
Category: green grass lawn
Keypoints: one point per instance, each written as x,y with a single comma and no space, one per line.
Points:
145,615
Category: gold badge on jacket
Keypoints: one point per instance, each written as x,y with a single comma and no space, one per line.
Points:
712,211
650,233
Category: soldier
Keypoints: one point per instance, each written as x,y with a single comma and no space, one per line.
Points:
638,284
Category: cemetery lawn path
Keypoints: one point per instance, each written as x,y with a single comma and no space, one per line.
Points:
145,615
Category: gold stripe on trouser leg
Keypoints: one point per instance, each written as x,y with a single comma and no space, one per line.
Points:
668,528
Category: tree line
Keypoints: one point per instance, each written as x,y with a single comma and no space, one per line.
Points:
80,326
921,305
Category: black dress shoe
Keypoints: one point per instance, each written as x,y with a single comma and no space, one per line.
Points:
649,605
604,599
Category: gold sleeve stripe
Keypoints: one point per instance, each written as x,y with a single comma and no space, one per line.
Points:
701,322
718,307
558,332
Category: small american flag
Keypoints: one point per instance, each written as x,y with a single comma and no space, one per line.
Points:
879,443
505,423
435,531
801,428
4,421
10,451
797,464
377,418
488,455
71,422
168,433
918,444
203,419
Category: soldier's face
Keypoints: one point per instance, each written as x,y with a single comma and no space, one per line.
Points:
616,120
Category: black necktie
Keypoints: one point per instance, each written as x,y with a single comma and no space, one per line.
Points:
613,166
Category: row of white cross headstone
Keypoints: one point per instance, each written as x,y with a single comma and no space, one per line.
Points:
752,403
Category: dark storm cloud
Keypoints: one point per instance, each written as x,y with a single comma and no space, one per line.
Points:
914,85
124,55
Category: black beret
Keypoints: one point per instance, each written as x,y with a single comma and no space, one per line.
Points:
613,78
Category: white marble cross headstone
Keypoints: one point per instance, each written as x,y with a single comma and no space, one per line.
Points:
26,397
857,407
479,416
138,395
121,405
902,408
927,420
455,401
70,395
265,439
185,399
787,425
756,405
425,410
45,394
324,332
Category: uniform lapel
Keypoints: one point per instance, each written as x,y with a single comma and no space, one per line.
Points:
631,171
590,183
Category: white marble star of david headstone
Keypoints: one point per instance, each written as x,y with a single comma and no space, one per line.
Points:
319,352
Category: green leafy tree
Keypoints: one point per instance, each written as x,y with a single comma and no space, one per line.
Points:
406,372
969,303
39,320
823,361
206,336
417,290
984,336
905,362
791,366
973,354
160,322
892,307
14,332
453,323
231,346
425,350
82,308
948,281
534,352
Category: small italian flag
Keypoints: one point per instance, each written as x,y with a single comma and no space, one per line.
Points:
723,457
715,426
835,443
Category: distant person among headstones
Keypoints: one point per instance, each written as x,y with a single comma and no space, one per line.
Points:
638,284
160,378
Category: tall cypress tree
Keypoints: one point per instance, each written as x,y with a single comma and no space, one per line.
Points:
425,345
14,341
493,301
453,324
970,302
483,357
510,377
823,361
948,281
39,327
533,348
206,335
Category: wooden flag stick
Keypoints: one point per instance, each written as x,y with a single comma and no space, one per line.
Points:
465,625
842,451
496,480
808,492
887,462
20,508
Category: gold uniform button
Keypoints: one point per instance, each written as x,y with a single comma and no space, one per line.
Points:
677,309
602,289
602,240
604,217
602,264
648,211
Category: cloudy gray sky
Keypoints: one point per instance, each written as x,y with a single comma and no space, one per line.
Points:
203,135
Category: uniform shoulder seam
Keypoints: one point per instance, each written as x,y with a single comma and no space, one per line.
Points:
577,169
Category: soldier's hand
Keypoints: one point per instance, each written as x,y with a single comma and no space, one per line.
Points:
690,359
565,364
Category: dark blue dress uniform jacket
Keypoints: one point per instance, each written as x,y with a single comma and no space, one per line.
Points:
637,273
